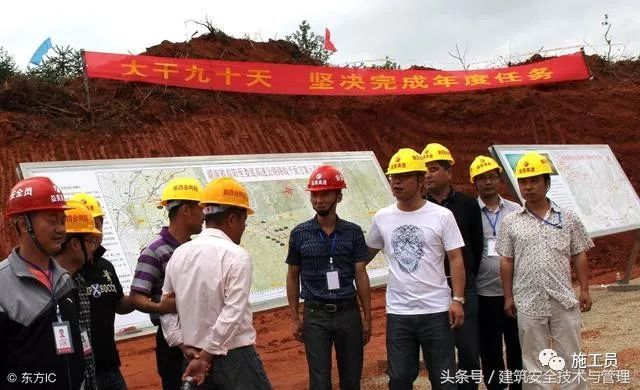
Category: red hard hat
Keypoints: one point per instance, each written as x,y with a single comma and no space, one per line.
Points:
35,194
326,178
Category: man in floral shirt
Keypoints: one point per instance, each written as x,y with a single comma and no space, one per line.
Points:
537,246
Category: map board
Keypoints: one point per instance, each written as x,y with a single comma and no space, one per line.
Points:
129,191
587,179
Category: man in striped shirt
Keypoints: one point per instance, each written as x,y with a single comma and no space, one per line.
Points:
181,197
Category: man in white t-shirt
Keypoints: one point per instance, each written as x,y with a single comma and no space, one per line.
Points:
415,235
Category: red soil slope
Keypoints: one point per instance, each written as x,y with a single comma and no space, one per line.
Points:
43,123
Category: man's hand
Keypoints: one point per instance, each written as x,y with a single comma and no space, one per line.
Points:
366,331
296,329
456,314
167,304
585,301
510,307
196,369
189,352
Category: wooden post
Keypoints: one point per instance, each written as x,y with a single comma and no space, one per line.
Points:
86,87
632,258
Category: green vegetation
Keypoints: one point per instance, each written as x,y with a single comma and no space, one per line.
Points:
309,42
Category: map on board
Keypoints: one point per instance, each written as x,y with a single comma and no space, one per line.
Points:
130,189
588,180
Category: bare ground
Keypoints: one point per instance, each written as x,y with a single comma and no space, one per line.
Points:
610,327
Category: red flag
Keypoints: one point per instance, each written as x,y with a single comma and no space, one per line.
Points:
328,45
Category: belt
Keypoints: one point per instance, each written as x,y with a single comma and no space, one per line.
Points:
331,306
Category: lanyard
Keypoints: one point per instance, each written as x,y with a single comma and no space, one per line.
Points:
48,276
493,223
50,279
333,245
557,225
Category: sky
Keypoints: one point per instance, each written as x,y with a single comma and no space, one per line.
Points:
410,32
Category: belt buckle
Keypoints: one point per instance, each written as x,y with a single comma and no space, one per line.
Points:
330,307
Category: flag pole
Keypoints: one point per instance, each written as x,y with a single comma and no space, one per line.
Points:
86,86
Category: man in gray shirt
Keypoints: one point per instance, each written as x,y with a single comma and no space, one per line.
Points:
493,322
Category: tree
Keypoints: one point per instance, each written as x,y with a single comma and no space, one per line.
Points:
309,42
63,65
8,66
389,63
461,56
211,30
607,37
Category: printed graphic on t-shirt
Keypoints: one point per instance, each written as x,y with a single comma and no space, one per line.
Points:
408,247
96,290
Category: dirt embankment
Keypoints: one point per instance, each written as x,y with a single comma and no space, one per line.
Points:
44,123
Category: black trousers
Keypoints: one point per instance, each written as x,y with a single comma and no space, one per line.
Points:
241,368
342,329
494,326
467,339
169,363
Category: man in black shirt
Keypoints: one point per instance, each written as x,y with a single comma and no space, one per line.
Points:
467,213
107,299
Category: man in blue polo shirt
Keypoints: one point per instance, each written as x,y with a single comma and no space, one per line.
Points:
326,255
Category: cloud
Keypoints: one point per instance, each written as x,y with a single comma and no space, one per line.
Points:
409,31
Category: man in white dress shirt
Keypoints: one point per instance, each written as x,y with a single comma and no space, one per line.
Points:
211,278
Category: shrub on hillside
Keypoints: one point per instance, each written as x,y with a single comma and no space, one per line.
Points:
8,66
64,64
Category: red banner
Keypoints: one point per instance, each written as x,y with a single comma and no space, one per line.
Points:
258,77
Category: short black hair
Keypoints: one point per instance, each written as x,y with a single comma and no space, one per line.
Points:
547,180
173,212
219,218
69,237
444,164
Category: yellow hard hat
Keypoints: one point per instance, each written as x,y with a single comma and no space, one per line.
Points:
181,188
90,202
532,164
406,160
482,164
79,219
437,152
226,191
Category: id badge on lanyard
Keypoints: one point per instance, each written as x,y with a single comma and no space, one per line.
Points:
333,279
62,335
491,247
491,242
86,343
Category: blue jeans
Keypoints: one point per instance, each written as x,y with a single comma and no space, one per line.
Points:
406,334
111,380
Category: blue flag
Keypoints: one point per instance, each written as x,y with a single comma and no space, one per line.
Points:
36,59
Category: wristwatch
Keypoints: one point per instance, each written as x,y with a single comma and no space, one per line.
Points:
459,299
